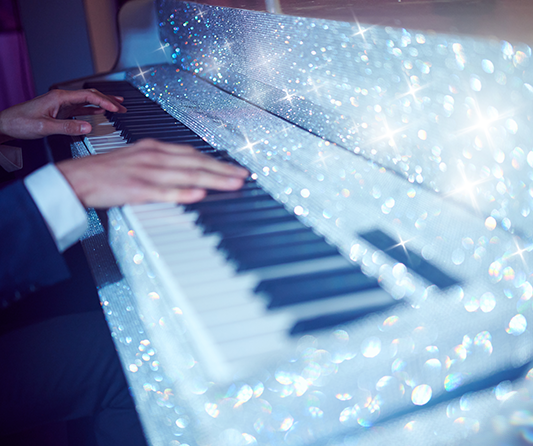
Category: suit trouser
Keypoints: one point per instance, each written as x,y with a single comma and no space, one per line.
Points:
64,368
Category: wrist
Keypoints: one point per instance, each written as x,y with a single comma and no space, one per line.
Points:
3,136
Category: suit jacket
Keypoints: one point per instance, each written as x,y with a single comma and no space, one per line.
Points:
29,258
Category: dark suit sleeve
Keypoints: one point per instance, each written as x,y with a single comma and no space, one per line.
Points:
29,258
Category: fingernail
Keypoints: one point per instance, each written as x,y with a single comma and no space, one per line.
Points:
85,128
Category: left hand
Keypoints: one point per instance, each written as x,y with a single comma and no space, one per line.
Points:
46,115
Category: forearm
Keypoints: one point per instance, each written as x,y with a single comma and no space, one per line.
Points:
29,258
4,136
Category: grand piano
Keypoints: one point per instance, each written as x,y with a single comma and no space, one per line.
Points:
371,283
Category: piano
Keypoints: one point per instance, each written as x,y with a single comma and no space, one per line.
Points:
371,282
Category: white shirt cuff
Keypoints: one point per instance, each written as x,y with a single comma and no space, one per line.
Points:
64,214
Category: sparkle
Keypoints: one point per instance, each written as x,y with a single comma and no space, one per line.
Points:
141,73
520,252
402,244
249,146
162,47
288,96
200,14
360,31
468,188
412,89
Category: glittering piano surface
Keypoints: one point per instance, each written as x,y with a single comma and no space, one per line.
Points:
425,137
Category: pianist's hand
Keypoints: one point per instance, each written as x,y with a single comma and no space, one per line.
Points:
148,171
46,115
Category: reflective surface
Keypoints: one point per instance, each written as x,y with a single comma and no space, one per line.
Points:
359,131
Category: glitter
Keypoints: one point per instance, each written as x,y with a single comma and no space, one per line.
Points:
153,295
453,381
421,395
517,325
383,382
409,426
487,302
286,424
258,390
475,83
458,256
243,395
138,258
341,335
305,193
182,423
212,409
488,66
508,273
298,210
315,412
343,396
371,347
511,126
490,223
390,321
283,377
433,364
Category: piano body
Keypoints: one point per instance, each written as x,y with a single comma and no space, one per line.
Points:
372,283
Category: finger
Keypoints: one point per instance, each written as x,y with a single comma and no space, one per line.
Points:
181,195
200,161
105,99
160,151
91,97
191,178
83,111
65,127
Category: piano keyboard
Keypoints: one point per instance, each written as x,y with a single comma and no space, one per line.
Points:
246,272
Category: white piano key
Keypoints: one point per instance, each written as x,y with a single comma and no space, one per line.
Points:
247,347
231,284
333,305
209,302
233,330
229,319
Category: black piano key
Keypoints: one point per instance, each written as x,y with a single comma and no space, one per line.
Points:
255,196
158,126
161,135
409,258
251,194
268,227
332,320
280,255
125,124
244,243
230,206
140,114
165,134
140,117
232,225
257,230
309,287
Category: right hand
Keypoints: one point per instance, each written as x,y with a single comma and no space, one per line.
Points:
148,171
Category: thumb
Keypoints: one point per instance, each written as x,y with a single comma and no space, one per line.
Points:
66,127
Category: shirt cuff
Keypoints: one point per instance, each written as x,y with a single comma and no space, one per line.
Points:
62,211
